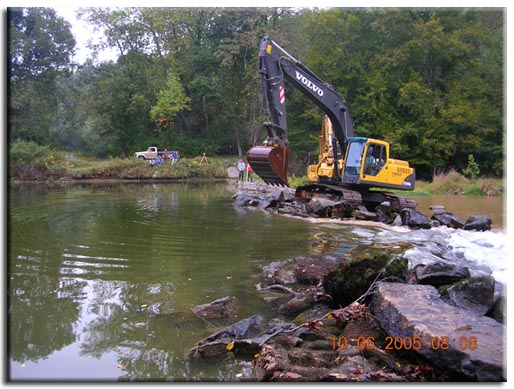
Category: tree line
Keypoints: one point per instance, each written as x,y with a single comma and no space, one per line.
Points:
428,80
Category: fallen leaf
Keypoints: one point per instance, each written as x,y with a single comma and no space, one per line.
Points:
230,346
338,376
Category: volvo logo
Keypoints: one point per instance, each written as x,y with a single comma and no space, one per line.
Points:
309,84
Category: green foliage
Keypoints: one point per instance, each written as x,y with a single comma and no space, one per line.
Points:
22,151
472,170
30,161
170,101
428,80
40,48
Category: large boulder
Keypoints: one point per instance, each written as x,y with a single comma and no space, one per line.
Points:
302,301
466,346
475,294
440,273
351,280
415,219
311,269
327,208
302,269
384,213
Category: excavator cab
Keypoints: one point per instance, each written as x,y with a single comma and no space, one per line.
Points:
367,164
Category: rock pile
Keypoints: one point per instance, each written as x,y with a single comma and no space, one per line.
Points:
431,323
283,201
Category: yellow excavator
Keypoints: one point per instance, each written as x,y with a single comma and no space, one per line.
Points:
348,166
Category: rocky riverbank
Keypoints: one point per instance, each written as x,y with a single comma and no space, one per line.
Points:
368,318
284,201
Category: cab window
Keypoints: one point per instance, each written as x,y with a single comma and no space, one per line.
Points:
354,158
375,159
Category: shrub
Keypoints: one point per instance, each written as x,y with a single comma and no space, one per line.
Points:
472,170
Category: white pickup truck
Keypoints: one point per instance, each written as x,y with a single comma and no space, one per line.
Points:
152,153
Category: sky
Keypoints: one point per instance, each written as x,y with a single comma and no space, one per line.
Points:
83,32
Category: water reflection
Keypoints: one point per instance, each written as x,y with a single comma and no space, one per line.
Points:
109,273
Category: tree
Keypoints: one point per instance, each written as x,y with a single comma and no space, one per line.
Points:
170,101
40,48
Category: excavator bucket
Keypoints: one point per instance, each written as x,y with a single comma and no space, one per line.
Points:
270,163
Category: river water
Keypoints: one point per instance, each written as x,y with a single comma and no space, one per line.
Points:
102,277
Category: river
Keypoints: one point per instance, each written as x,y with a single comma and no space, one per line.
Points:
102,277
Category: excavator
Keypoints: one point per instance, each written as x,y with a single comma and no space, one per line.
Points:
348,166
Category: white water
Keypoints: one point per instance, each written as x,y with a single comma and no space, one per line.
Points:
483,253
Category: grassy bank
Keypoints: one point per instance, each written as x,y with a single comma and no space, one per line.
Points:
36,163
30,162
133,169
456,183
452,183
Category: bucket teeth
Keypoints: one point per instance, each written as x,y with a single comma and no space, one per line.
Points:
270,163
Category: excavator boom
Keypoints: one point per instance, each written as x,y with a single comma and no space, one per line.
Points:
352,164
275,63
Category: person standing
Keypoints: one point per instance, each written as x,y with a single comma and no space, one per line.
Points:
241,166
204,158
249,172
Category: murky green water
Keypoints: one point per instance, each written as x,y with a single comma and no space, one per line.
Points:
102,277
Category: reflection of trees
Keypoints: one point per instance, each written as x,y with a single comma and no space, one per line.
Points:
148,339
89,268
41,318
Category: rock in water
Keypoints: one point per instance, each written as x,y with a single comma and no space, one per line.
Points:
440,273
221,309
469,346
415,219
351,280
240,333
479,223
448,219
475,294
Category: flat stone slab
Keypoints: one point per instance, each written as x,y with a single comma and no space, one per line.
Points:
451,338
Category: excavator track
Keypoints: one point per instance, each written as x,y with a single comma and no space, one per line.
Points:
356,198
333,192
400,201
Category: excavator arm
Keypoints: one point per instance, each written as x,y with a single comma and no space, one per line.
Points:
270,160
